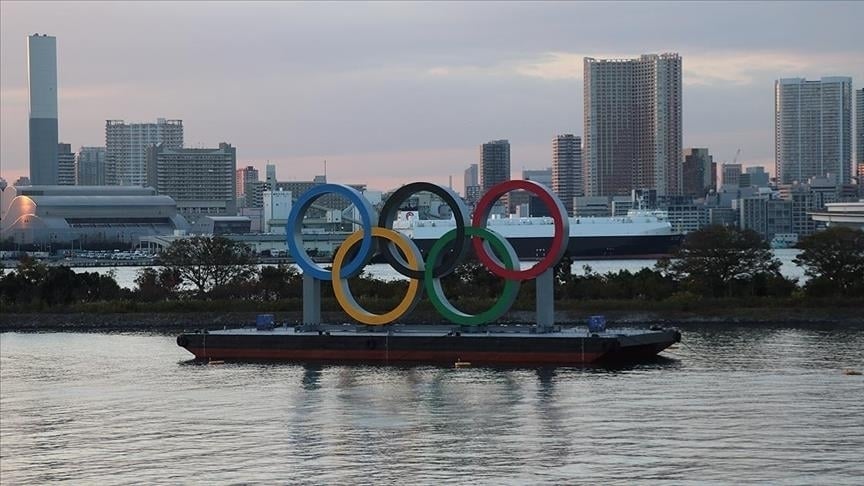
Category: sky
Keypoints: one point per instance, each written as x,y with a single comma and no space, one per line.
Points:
390,93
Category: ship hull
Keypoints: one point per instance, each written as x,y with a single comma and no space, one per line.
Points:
584,247
484,348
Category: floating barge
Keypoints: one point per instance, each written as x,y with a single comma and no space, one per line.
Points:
483,345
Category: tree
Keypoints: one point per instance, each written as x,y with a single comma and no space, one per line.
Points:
279,282
158,285
208,262
834,261
721,261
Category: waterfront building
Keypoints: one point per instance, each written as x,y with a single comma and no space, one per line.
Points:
633,125
90,166
812,196
42,86
65,165
813,129
126,145
87,215
567,180
848,214
767,216
687,217
200,180
699,172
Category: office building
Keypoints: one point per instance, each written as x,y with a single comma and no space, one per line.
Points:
90,166
126,145
813,129
757,176
65,165
731,174
633,125
766,216
277,207
471,184
540,176
813,195
42,84
494,166
271,177
699,173
200,180
567,181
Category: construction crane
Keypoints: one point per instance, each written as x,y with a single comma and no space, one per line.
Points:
735,160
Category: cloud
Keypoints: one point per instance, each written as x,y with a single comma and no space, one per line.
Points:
703,68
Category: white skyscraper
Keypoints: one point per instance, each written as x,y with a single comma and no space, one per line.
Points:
126,145
633,125
567,181
813,129
42,73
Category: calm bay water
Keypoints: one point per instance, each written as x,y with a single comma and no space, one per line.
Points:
727,405
125,276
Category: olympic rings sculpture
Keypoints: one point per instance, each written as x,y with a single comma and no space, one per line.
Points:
492,249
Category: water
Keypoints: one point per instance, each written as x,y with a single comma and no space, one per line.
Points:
728,406
125,276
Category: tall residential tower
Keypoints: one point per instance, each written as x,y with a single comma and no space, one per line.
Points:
126,143
813,129
42,74
567,181
633,125
494,165
859,128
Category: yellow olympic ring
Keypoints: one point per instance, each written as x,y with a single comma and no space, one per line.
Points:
343,293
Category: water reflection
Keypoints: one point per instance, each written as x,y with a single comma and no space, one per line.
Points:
729,404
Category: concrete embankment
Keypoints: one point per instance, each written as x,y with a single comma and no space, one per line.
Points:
175,322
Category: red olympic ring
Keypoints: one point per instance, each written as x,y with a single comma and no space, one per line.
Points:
560,238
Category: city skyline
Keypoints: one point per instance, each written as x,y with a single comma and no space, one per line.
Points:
413,109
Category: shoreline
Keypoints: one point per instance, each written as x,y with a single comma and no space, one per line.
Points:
170,322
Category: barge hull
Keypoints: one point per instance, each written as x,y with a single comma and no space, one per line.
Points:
488,349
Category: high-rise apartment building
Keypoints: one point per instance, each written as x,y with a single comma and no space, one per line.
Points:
65,165
859,129
567,181
813,129
126,145
200,180
494,166
42,84
244,179
699,173
633,125
90,166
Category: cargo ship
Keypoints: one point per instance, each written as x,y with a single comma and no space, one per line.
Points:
524,345
640,234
